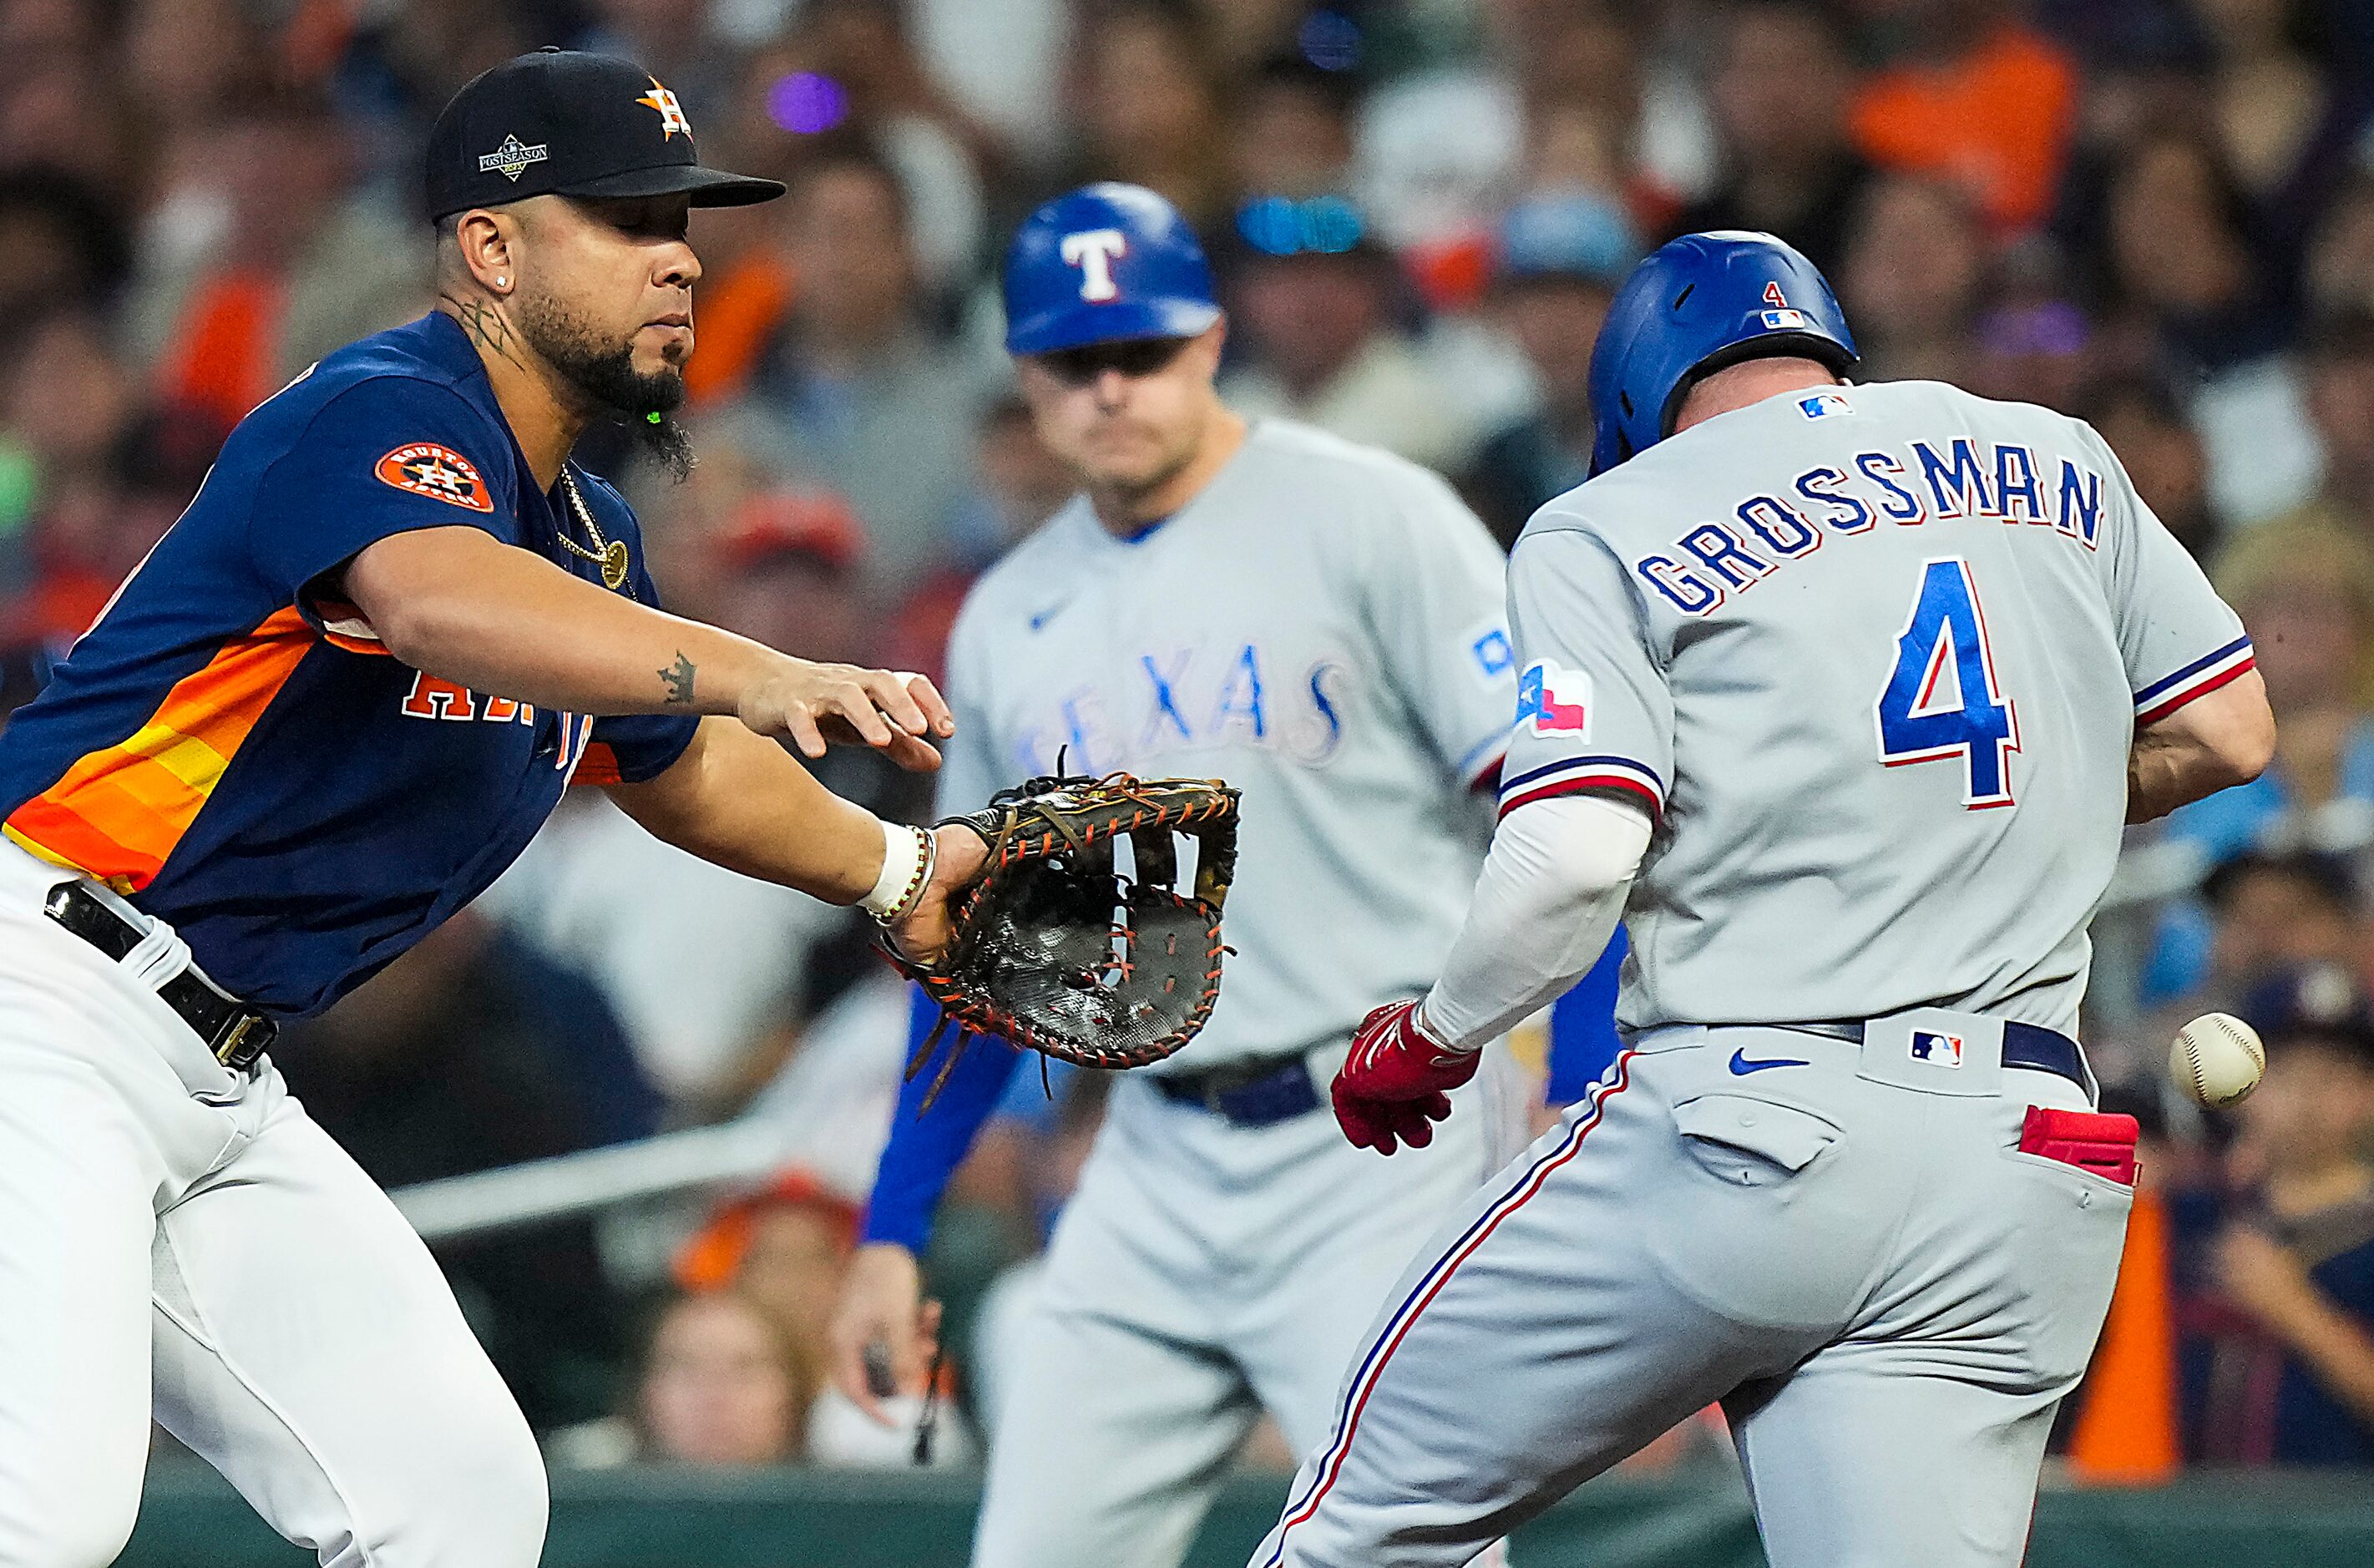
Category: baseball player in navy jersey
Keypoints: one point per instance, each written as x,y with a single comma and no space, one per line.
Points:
1321,624
1840,695
332,704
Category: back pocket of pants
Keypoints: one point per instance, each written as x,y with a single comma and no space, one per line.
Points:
1749,1218
1749,1141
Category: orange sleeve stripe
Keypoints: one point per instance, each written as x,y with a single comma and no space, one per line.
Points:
598,766
58,835
117,813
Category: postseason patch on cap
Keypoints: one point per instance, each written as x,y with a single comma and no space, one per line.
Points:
424,468
511,158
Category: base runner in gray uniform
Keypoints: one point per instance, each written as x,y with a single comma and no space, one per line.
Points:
1839,695
1323,626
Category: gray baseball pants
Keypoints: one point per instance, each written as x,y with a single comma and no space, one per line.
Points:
1845,1246
1202,1272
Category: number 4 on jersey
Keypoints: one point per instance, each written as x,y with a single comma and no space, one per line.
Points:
1941,700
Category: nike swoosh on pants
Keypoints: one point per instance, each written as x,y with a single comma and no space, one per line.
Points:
1742,1064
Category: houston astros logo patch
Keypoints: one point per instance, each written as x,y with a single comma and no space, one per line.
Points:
671,113
424,468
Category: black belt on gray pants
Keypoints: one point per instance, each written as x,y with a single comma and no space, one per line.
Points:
234,1032
2024,1045
1250,1093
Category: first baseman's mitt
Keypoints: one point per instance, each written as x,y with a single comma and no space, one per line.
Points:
1058,950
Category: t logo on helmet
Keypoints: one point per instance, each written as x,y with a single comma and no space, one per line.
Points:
1093,250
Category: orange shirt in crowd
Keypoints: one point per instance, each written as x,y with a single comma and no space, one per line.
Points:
742,305
224,357
1996,123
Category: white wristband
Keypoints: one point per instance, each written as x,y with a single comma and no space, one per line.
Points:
902,856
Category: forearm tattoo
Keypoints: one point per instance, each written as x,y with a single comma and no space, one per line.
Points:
678,677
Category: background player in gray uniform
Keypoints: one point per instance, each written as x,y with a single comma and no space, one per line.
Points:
1321,624
1845,691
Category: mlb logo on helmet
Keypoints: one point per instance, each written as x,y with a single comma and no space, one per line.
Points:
1557,701
1942,1050
1785,321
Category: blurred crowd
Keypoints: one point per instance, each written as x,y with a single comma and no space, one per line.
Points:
2155,214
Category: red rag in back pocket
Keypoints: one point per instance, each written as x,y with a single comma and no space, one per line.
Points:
2087,1140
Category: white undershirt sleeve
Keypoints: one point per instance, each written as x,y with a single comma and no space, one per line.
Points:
1548,898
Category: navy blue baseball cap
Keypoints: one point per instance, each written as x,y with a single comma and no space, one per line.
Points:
2317,1002
559,122
1105,264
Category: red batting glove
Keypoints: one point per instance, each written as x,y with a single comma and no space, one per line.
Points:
1393,1085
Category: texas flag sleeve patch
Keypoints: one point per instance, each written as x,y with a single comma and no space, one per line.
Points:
1555,701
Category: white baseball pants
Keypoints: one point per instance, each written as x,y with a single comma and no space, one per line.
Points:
181,1241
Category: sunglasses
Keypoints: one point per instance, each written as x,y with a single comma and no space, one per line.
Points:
1132,357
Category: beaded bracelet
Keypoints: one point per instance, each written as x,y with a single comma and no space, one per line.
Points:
919,860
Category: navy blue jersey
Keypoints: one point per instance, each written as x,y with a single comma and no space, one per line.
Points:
230,747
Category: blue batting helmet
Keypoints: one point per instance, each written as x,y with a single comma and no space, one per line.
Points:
1105,264
1702,302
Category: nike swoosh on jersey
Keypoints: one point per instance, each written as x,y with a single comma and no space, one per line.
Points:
1742,1064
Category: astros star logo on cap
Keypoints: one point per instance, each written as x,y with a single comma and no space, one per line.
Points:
671,113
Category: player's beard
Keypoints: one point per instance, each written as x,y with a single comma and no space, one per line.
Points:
604,372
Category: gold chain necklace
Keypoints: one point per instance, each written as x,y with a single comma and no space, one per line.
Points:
610,555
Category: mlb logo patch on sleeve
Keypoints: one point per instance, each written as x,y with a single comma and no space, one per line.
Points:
1937,1048
1555,701
1821,405
1489,644
424,468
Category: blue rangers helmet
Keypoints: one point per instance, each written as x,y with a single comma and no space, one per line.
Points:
1105,264
1698,304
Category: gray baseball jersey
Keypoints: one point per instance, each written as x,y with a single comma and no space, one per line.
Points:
1880,694
1322,626
1875,656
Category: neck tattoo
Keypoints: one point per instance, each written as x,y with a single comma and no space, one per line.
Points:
486,328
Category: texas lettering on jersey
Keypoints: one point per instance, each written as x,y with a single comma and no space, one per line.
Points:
1188,699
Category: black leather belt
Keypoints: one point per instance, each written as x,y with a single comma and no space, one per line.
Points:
1251,1093
234,1032
2024,1045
